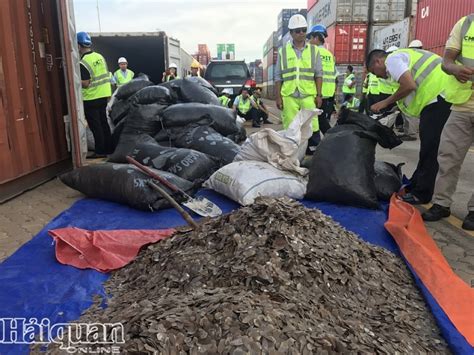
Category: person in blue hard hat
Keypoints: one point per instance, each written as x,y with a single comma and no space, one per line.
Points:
96,91
317,37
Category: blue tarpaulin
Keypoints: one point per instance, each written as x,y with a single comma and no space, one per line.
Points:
34,284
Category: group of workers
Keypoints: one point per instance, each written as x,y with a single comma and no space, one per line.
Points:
437,91
248,105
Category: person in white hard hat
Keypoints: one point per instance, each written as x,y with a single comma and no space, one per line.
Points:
171,73
391,49
416,44
123,75
225,97
299,77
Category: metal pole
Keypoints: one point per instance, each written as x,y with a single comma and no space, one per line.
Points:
98,16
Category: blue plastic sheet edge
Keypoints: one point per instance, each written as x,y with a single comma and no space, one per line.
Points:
35,285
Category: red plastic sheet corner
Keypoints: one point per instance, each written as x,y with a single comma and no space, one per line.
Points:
105,250
453,295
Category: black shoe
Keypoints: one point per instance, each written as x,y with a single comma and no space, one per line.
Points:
407,138
254,125
96,156
468,223
267,122
436,212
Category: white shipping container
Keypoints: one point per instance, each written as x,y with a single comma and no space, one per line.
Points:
397,34
388,10
328,12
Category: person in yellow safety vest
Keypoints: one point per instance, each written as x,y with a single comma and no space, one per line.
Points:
422,84
317,37
171,73
298,77
458,134
243,105
352,103
123,75
349,85
365,92
194,69
262,111
225,97
96,91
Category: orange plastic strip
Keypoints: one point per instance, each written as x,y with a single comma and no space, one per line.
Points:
453,295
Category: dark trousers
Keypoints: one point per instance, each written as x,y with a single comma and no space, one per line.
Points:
97,120
363,104
257,116
325,117
432,120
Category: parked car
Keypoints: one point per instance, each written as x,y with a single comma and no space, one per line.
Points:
233,74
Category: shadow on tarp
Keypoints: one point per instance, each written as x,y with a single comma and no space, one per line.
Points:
35,285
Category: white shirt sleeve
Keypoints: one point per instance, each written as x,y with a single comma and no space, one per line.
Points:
397,64
236,101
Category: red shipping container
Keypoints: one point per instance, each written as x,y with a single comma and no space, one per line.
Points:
436,18
311,3
347,42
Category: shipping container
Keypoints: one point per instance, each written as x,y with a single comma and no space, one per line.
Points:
389,10
271,42
385,36
271,57
347,42
310,4
147,52
436,18
328,12
37,96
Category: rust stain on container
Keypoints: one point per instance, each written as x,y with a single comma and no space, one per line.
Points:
32,88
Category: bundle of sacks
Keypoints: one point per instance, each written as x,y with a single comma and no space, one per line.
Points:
343,169
177,128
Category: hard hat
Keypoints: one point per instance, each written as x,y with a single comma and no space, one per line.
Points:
84,39
227,91
318,29
297,21
122,60
416,43
195,65
391,49
173,65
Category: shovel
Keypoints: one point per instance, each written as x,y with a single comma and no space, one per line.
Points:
199,205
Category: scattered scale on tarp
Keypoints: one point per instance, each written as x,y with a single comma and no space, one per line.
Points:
273,277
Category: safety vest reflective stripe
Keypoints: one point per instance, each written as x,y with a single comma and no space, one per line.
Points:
121,80
224,100
466,57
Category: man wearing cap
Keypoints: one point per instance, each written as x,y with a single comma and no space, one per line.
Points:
96,91
194,69
123,75
416,44
225,97
299,77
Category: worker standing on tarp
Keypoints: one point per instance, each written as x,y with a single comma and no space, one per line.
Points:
123,75
298,77
317,37
96,91
458,134
422,83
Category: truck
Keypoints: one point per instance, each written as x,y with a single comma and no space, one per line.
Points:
150,53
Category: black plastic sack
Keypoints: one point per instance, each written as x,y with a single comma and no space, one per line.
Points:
388,179
125,145
240,136
144,119
344,127
342,170
130,88
386,136
186,163
152,95
207,140
122,183
203,83
174,86
119,110
191,91
220,118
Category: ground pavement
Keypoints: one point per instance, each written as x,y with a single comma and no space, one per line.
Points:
24,216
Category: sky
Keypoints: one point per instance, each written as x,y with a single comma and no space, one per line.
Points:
247,23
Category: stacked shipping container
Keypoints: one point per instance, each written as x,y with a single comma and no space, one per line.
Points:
436,18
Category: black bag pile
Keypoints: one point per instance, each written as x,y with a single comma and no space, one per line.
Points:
388,179
343,166
193,90
186,163
124,184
